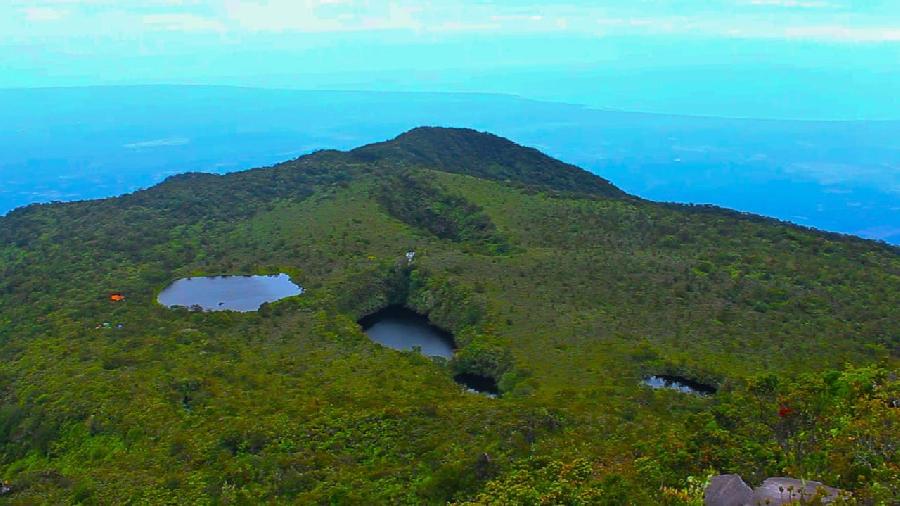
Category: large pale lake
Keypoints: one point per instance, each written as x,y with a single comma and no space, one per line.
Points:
228,293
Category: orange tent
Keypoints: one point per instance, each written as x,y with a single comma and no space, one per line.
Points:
116,297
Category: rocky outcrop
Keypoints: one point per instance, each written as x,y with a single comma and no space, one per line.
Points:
788,490
727,490
730,490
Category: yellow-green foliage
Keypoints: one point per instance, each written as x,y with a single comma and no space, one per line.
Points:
563,289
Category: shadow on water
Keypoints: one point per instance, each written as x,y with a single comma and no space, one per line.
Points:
400,328
478,384
680,384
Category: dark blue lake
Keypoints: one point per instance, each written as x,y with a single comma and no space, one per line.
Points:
228,293
402,329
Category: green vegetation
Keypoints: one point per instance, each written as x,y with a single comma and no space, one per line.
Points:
555,283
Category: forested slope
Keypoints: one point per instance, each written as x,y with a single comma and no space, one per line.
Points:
555,283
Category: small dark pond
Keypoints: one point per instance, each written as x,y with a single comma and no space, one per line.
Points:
478,384
678,383
228,293
403,329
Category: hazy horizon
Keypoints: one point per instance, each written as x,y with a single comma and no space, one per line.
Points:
568,77
838,176
780,59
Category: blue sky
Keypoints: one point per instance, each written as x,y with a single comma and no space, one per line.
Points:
546,50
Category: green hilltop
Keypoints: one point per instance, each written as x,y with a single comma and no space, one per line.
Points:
559,286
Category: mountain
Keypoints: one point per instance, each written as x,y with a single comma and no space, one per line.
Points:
487,156
65,144
555,284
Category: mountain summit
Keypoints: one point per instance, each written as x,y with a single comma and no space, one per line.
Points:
485,155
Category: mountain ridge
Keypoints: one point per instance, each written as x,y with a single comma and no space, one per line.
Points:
482,154
445,149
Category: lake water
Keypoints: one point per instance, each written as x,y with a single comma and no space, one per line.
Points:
402,329
228,293
680,384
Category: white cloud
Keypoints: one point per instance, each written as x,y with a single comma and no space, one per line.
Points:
43,14
796,4
836,175
751,29
158,143
182,23
815,20
882,232
320,16
517,17
843,33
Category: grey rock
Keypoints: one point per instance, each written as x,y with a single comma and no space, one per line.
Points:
778,491
727,490
730,490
